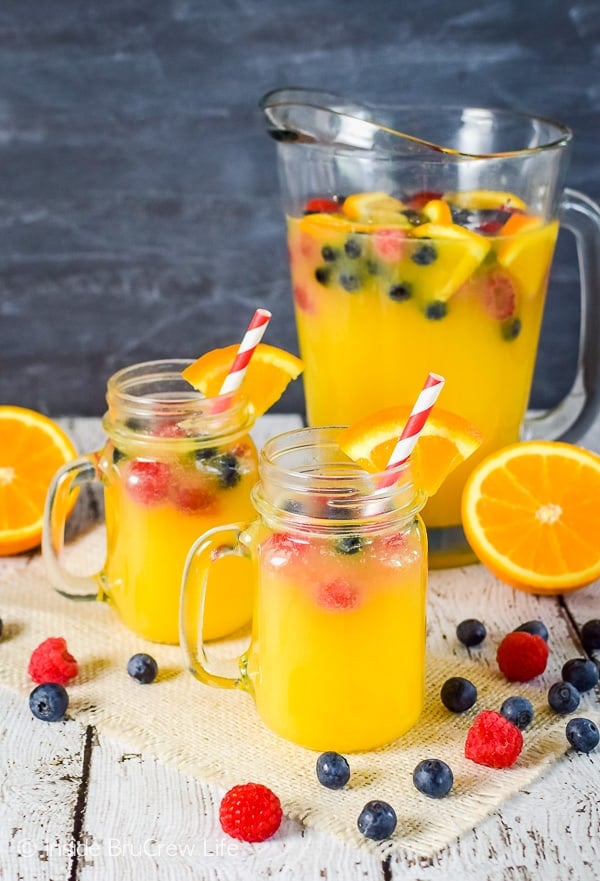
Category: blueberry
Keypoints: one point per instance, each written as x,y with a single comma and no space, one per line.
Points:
563,697
518,710
581,673
333,770
49,702
471,632
329,254
511,328
582,734
463,216
352,248
323,274
143,668
400,292
117,455
436,310
590,635
349,282
415,218
349,544
424,256
458,694
205,454
377,820
536,628
433,777
228,470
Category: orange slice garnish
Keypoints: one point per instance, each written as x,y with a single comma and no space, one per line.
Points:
446,440
32,449
268,375
531,513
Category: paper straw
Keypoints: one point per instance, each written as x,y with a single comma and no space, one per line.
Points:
414,425
251,339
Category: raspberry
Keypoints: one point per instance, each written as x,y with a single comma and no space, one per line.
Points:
499,296
51,662
148,482
521,656
338,595
493,741
389,244
250,812
322,205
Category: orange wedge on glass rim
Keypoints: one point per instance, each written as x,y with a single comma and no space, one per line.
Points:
446,440
269,373
32,449
531,513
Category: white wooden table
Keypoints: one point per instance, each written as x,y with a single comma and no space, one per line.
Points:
75,807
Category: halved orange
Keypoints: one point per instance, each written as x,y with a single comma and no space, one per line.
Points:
531,513
32,449
268,375
446,440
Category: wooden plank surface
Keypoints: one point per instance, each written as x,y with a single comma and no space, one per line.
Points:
78,807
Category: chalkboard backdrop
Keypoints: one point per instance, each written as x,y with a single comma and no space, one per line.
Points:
140,213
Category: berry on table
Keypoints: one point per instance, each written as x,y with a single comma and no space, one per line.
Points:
143,668
52,662
147,481
538,628
522,656
250,812
582,734
49,702
518,710
433,777
377,820
458,694
471,632
590,635
333,770
581,673
563,698
493,741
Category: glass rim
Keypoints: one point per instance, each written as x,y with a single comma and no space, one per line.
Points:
562,137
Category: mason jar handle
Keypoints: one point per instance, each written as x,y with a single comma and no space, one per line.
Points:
65,482
222,541
574,415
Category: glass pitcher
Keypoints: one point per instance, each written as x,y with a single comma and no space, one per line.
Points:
420,240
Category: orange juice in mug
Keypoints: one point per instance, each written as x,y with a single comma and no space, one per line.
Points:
338,645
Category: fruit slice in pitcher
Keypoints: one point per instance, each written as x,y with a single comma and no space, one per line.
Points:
481,200
379,208
446,440
268,375
528,254
445,256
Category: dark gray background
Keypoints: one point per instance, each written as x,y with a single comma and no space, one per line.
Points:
139,211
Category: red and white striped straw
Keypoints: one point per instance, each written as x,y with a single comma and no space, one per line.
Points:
414,425
246,349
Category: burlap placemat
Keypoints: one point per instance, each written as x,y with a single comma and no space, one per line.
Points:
217,736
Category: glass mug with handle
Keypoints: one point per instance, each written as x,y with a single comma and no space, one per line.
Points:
339,573
427,235
175,464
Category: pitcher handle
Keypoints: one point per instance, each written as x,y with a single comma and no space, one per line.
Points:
65,482
215,543
574,415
